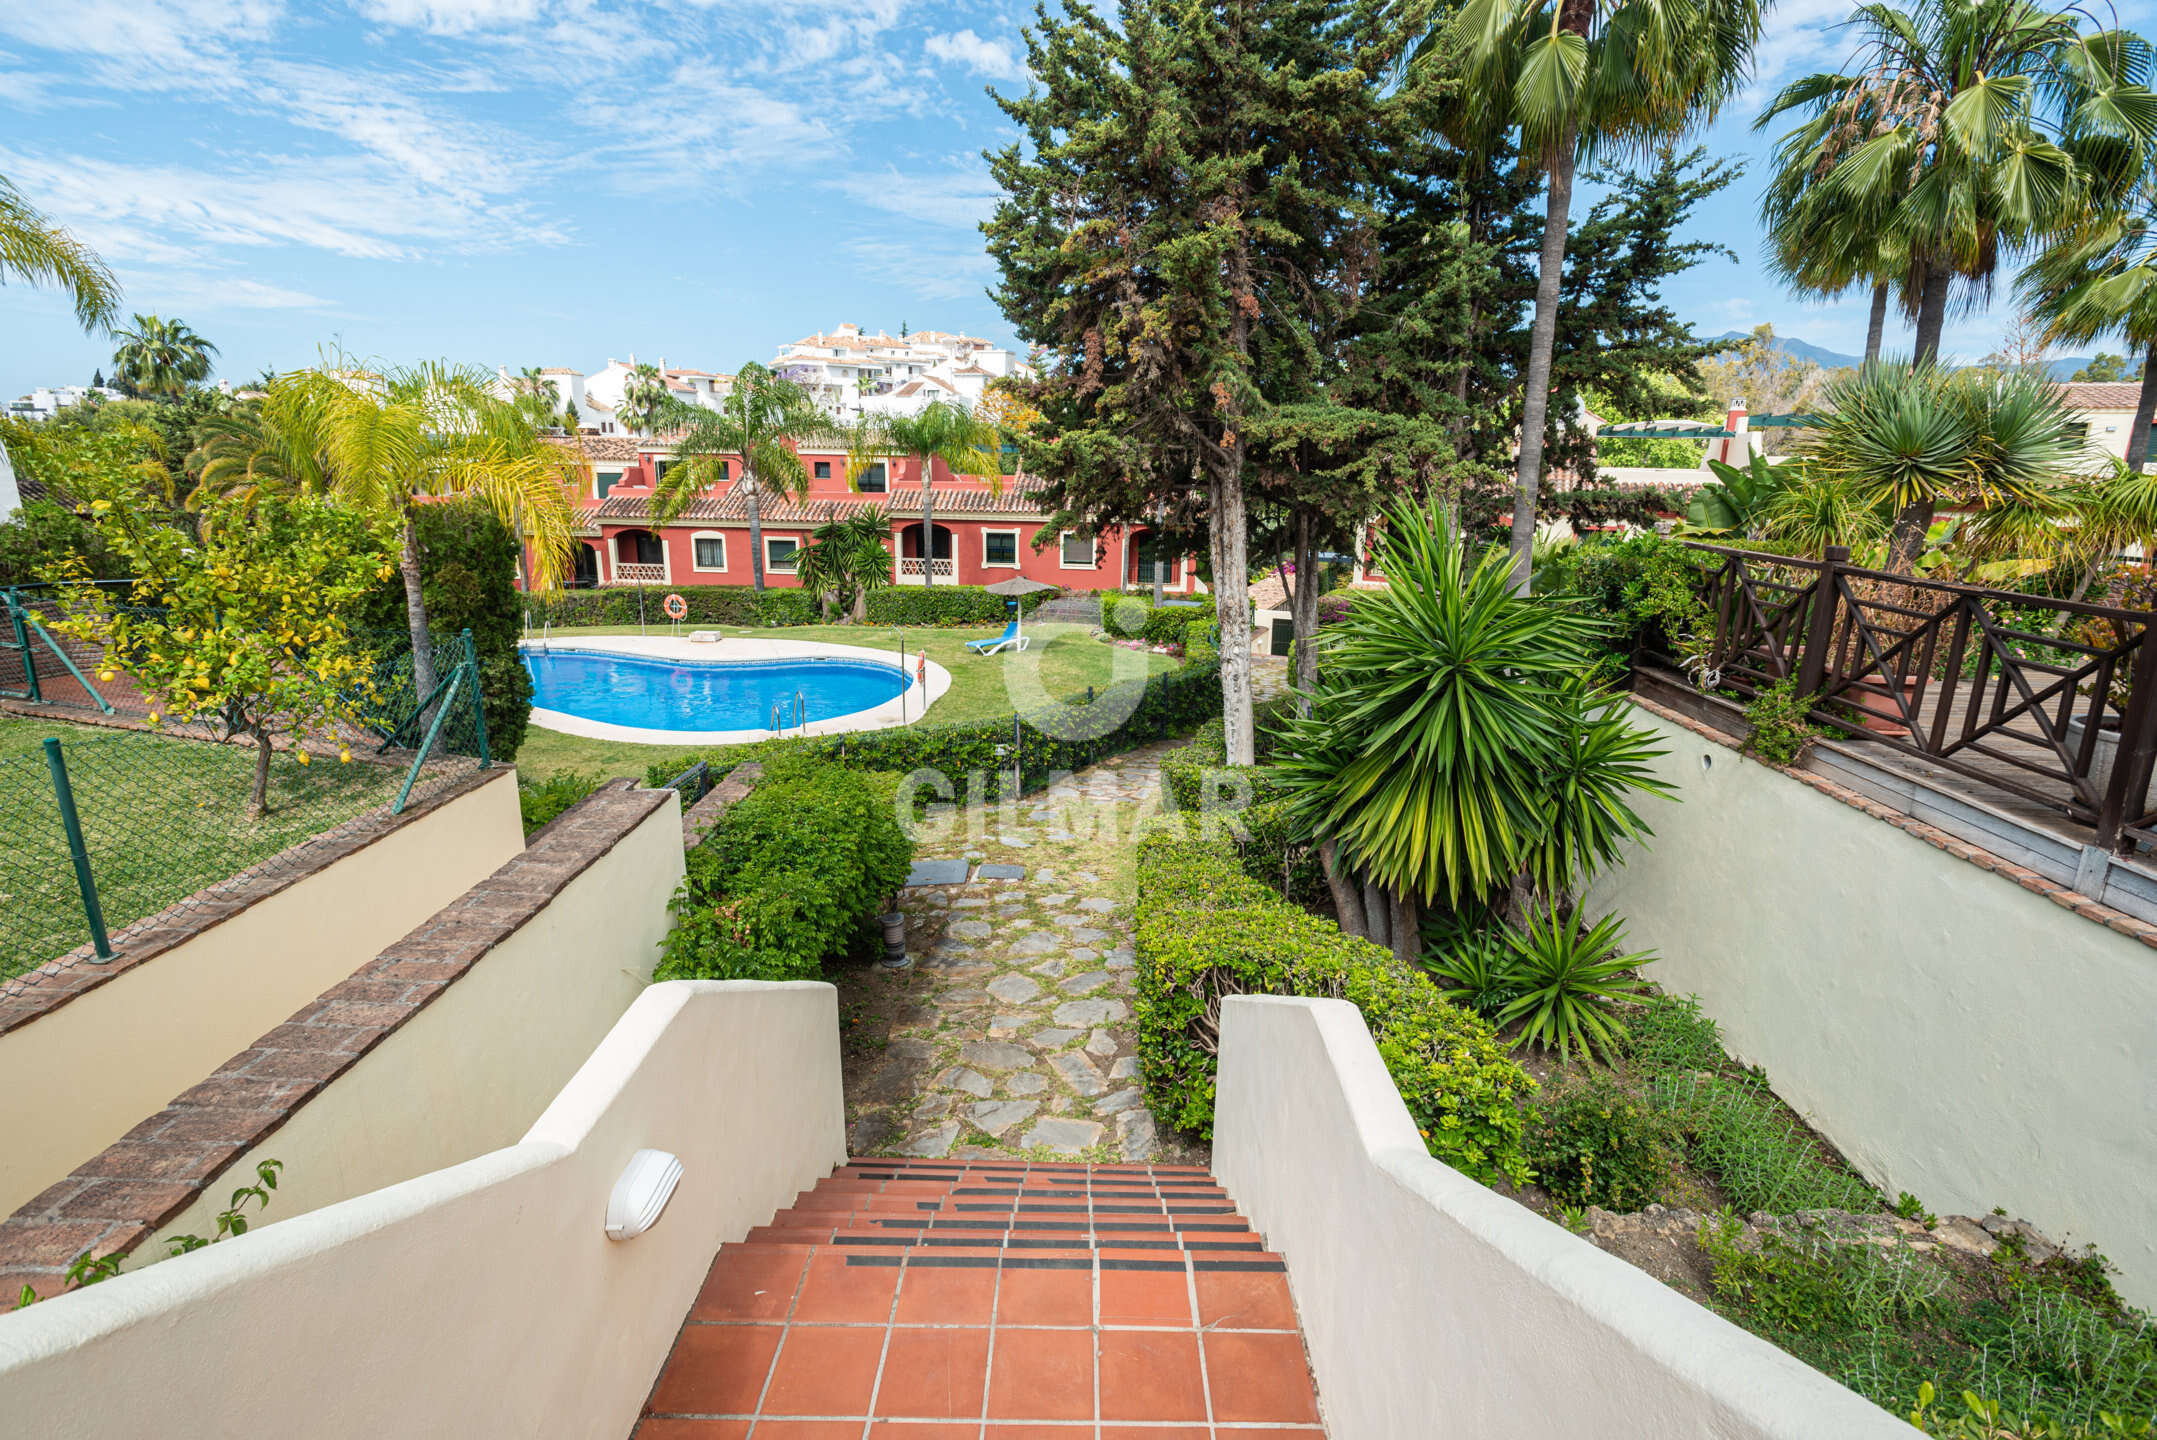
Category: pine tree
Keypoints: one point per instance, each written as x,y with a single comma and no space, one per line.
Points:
1186,212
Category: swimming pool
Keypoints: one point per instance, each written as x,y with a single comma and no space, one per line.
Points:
645,693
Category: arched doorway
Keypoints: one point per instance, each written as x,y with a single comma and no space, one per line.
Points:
1151,559
910,562
639,559
586,573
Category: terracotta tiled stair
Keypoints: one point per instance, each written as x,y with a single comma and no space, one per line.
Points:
934,1300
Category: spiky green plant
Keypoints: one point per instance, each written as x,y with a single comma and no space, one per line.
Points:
1568,976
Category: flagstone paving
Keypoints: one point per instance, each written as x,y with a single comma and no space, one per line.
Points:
1011,1035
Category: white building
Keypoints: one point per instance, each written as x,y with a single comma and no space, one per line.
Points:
598,396
47,401
2105,410
855,373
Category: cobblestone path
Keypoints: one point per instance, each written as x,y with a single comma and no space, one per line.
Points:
1011,1035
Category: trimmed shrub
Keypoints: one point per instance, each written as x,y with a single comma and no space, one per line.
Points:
708,605
468,577
788,875
1166,704
946,605
1126,616
1208,930
1592,1143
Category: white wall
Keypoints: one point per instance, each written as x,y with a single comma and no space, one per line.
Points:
1955,1035
470,1072
478,1301
1435,1308
130,1045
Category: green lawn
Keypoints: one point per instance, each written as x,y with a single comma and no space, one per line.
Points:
1060,661
161,818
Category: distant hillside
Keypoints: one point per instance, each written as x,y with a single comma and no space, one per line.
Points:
1835,359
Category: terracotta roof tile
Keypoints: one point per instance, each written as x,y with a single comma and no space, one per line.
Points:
2100,395
1020,497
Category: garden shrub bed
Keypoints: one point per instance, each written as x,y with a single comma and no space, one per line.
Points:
789,876
1205,929
1163,705
951,606
641,604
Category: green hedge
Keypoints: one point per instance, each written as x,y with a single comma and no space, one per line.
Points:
946,605
788,875
708,605
1160,706
1206,929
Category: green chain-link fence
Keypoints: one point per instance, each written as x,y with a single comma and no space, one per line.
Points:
108,828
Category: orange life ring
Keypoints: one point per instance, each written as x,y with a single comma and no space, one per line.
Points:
921,669
676,607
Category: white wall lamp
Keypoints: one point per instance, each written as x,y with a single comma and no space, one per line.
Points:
647,1183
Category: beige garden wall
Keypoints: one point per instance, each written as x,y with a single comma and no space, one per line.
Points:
1436,1309
128,1046
481,1300
1955,1035
468,1073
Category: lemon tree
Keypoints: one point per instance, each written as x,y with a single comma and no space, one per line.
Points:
238,620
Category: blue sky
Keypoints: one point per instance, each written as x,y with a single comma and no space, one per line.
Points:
554,182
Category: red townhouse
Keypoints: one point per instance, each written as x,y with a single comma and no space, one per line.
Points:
981,534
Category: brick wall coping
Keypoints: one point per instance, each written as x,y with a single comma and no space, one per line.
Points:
701,818
2064,896
113,1202
39,992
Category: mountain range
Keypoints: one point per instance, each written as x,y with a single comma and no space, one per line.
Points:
1797,349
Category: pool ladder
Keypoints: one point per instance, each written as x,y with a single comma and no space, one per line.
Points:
800,707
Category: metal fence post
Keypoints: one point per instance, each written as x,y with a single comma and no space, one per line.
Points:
22,646
1820,623
72,823
479,701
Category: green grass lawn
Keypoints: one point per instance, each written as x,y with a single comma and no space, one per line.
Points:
161,818
1060,661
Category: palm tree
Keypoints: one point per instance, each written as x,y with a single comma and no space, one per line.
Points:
388,440
160,358
1575,77
2100,278
1952,126
847,558
35,250
238,454
753,423
644,396
1455,751
964,441
1819,239
538,396
1910,438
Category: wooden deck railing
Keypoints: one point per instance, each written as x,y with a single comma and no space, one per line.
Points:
1986,683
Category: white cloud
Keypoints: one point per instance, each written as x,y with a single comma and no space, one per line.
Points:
453,17
157,44
984,57
178,290
955,198
926,270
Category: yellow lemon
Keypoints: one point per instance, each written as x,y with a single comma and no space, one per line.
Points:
155,717
302,754
344,757
104,674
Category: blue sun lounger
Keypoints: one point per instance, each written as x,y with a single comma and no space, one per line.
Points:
1010,637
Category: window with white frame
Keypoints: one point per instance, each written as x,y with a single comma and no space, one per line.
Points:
1000,548
780,552
708,551
1078,552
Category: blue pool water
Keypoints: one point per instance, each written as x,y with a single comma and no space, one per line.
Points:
704,694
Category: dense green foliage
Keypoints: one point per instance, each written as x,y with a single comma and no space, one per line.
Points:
1594,1143
640,605
788,875
953,605
1159,706
1734,1126
1644,587
1778,729
1457,739
539,801
468,574
1206,930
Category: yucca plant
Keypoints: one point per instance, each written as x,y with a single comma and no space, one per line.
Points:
1567,977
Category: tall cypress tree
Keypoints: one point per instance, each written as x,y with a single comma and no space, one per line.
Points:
1183,216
